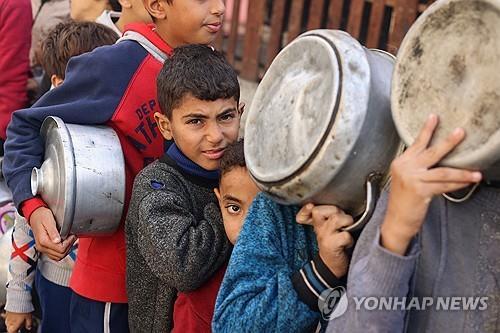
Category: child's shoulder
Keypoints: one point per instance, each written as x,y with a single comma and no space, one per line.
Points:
113,58
159,177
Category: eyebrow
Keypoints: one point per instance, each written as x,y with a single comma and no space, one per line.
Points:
202,116
231,198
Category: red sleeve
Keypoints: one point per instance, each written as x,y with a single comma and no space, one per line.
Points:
15,42
30,205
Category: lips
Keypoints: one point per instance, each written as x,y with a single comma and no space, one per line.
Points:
214,154
214,27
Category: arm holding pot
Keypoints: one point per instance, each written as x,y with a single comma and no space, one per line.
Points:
387,251
415,181
24,148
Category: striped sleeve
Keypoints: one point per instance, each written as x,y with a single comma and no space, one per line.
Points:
314,278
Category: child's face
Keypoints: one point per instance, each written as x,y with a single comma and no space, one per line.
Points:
202,129
190,21
235,193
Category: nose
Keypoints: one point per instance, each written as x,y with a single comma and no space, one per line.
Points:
218,7
214,134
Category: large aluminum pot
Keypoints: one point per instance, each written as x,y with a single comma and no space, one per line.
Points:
320,123
449,64
82,179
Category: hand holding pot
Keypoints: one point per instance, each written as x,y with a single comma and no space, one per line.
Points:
327,222
47,237
415,181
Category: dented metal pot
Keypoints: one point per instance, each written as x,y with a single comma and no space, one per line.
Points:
448,64
320,128
82,178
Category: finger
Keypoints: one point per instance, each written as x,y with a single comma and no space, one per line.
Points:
424,137
51,229
451,175
321,214
438,151
341,221
343,240
54,255
45,244
304,216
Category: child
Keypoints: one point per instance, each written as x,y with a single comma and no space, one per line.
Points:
236,190
114,86
193,311
279,269
420,244
52,278
175,235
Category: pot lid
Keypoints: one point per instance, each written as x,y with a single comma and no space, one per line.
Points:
448,64
293,109
55,181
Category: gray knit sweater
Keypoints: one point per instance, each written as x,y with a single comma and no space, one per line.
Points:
175,242
457,254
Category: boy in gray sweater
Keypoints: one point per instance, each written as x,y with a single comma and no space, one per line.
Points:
437,262
174,231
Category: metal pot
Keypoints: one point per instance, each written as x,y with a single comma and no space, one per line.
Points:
82,179
448,64
320,128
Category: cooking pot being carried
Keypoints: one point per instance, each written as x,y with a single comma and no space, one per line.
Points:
82,179
449,65
319,128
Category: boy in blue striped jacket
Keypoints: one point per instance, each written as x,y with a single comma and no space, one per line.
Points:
280,268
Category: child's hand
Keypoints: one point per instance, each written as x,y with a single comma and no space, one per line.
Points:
15,321
47,237
332,242
415,181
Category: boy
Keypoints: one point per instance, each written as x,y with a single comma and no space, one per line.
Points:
52,278
420,244
279,269
175,236
236,190
113,85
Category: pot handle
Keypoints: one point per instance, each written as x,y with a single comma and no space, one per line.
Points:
372,195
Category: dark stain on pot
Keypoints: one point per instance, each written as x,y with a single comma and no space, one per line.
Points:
416,50
353,67
457,68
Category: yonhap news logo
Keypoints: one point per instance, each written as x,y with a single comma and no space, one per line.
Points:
333,303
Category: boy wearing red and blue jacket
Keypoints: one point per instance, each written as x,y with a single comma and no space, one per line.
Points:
114,86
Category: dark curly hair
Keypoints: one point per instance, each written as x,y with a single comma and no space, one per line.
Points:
234,156
199,71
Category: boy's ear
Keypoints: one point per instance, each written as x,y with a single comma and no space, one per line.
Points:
241,108
163,125
156,8
217,194
55,80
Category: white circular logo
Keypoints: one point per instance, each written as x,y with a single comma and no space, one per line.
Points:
333,303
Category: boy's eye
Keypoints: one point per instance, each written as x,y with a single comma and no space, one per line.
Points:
194,121
227,117
233,209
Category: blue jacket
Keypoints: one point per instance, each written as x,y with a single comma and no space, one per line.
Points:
261,291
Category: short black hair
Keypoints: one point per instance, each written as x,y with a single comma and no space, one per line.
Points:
234,156
199,71
69,39
115,5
